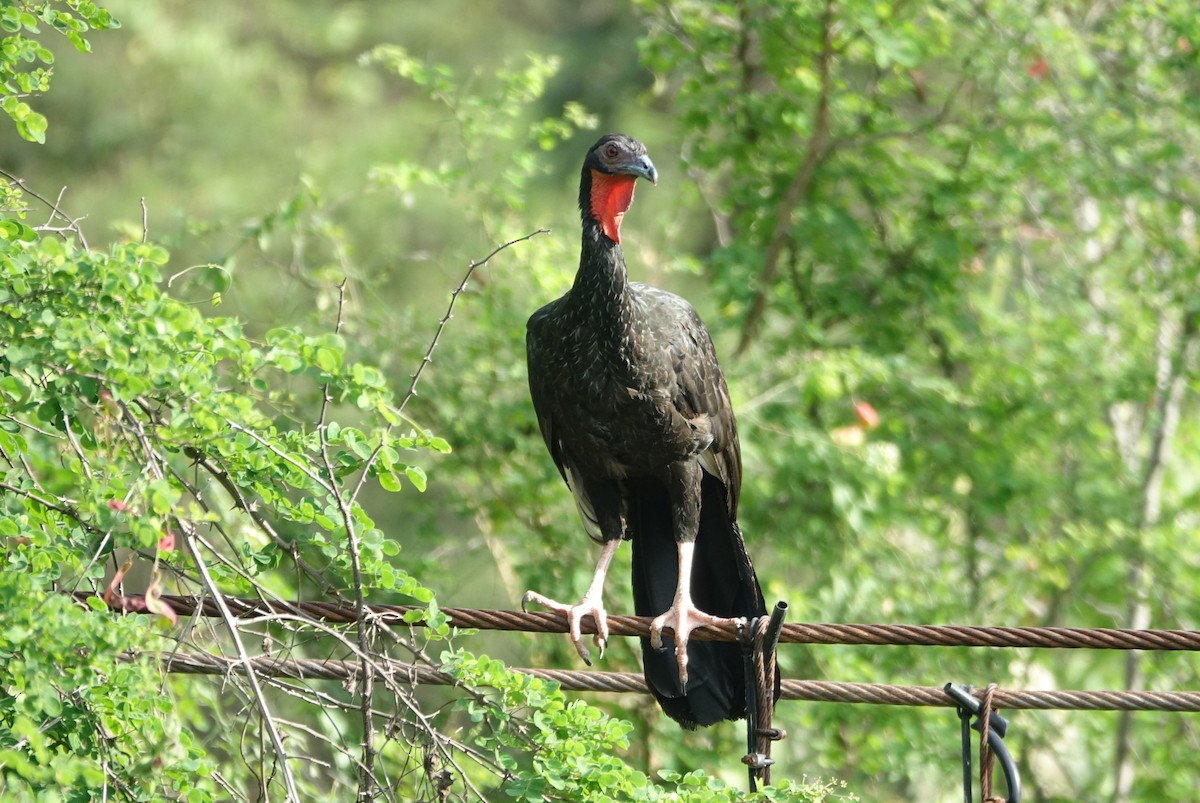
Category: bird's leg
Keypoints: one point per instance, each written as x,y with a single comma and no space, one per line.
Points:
592,603
683,616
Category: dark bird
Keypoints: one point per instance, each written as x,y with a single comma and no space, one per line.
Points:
635,412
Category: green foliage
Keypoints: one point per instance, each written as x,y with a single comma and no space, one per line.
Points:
135,429
113,395
952,215
980,221
95,347
77,720
573,746
25,63
496,148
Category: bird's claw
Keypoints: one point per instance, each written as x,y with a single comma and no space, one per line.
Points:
575,614
656,629
676,619
682,620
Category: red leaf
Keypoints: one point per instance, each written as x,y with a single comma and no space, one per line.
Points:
866,415
154,602
110,593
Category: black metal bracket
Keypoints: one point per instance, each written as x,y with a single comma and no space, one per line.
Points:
968,707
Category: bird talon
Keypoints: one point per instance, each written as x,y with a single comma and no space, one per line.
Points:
656,638
574,615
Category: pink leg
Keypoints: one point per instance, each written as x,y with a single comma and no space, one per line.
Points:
592,603
683,616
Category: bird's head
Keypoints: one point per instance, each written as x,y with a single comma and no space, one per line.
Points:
610,170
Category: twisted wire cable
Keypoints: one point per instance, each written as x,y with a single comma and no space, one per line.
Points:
633,683
796,633
626,682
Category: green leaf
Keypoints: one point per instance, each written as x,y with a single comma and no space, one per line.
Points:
32,126
416,475
389,481
329,360
439,445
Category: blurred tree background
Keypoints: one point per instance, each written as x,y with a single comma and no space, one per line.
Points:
978,218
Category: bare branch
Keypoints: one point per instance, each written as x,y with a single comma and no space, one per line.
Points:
153,465
437,335
72,224
433,344
366,678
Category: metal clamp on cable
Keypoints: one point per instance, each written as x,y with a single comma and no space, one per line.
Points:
758,641
997,727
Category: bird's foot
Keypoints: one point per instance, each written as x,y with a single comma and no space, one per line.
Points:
588,606
682,618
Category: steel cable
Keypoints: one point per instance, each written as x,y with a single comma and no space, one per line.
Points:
874,634
632,683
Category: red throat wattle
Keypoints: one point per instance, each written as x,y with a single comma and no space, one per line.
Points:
612,195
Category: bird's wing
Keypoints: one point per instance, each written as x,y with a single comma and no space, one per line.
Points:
537,341
541,374
700,389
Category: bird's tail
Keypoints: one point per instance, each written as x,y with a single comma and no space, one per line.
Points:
723,584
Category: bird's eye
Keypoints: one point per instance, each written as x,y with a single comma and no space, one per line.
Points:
611,151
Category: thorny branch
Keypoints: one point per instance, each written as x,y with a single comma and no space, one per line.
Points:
433,344
437,335
366,678
366,779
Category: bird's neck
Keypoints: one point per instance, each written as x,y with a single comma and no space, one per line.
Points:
601,290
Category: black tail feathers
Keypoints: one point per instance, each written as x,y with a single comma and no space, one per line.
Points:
723,584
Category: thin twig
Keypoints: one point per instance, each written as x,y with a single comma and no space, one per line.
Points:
244,660
292,548
366,678
437,335
210,585
55,210
428,357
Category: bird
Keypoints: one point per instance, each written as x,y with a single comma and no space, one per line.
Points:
635,412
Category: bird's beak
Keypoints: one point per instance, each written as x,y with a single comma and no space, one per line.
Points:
643,168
